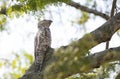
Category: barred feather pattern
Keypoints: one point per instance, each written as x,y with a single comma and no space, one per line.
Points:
42,43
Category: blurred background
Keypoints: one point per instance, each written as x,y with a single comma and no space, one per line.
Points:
18,27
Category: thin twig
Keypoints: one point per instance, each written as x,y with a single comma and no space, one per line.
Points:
111,15
86,9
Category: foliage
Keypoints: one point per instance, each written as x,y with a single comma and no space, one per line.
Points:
38,4
21,7
84,18
17,66
32,5
69,62
2,21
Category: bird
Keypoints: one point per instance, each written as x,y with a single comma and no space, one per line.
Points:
42,43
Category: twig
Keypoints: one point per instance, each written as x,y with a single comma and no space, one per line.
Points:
86,9
111,15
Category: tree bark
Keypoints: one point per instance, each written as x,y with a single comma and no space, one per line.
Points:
88,10
111,15
101,34
118,76
99,58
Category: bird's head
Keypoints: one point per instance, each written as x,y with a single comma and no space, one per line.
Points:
44,23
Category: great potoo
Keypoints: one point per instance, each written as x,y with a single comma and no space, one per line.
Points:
42,43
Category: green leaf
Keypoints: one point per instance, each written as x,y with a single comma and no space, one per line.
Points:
13,64
2,22
1,64
28,56
84,18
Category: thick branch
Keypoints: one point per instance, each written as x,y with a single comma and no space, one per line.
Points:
101,34
118,76
88,10
105,32
99,58
32,74
96,60
75,51
79,48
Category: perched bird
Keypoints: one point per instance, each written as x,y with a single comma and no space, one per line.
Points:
42,43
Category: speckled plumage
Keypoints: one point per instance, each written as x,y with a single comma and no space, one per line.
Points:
42,42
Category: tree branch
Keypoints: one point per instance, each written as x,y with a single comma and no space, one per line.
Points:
94,61
99,58
111,15
118,76
74,55
105,32
113,8
32,74
88,10
58,65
